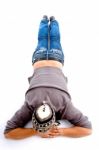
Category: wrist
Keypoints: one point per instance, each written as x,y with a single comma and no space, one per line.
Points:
34,132
61,131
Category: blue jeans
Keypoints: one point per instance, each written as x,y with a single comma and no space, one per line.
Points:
49,46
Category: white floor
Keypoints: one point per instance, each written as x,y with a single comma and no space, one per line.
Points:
79,25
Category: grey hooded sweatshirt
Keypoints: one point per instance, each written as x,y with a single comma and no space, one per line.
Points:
48,84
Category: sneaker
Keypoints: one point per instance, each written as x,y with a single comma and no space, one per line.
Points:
52,18
45,17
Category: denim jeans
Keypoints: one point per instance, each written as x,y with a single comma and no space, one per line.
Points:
49,46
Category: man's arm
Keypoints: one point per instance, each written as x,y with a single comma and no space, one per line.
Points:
15,126
74,131
20,133
82,126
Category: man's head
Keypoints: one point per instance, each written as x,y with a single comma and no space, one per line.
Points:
43,118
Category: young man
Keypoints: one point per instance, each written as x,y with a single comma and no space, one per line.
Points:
47,99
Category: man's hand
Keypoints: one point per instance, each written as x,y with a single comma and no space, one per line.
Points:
69,132
53,132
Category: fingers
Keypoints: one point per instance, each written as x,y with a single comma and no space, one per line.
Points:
47,136
44,135
53,132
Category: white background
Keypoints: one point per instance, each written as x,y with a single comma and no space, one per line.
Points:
79,25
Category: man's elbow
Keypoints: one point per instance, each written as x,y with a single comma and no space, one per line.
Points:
7,135
82,131
10,134
89,131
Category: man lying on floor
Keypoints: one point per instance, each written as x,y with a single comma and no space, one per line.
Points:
47,100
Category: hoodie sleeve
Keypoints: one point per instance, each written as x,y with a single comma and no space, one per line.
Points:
75,116
20,118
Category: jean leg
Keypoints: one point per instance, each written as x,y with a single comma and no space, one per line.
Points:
42,46
43,35
55,35
55,52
